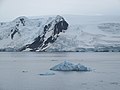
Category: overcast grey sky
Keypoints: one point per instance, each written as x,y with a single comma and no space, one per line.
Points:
10,9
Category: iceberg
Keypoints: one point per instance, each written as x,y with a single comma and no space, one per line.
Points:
68,66
80,67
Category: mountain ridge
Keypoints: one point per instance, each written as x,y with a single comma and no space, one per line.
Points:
83,34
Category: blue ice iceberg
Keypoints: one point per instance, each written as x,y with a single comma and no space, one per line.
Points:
68,66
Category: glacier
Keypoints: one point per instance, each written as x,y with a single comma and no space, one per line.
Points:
55,33
90,33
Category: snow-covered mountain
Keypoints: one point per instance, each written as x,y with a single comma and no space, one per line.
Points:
84,33
23,34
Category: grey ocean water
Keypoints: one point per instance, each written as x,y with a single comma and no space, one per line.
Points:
20,71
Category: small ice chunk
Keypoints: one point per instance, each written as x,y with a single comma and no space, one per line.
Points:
24,71
47,73
68,66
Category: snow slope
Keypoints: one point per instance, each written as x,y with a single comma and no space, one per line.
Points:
84,33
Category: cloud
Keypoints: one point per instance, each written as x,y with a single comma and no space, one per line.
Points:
14,8
1,1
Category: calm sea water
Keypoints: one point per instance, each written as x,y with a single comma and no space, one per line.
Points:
20,71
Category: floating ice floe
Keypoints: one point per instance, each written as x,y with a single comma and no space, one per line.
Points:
47,73
68,66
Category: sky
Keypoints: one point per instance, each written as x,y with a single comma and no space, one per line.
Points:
10,9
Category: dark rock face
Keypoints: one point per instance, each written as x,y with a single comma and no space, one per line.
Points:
50,34
22,21
14,31
62,25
